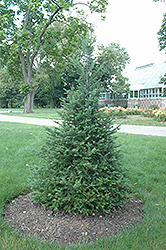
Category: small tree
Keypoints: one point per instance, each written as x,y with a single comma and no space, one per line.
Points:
81,170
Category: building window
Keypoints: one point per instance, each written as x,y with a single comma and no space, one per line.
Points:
136,93
131,94
102,97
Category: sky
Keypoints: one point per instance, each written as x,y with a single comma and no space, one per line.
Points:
134,25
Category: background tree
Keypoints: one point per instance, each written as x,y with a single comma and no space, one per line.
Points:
9,91
162,34
114,59
55,63
25,29
163,81
162,44
51,91
80,169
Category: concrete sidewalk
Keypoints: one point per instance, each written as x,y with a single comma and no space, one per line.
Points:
131,129
28,120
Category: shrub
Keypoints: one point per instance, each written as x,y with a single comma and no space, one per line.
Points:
153,106
120,112
81,170
148,113
160,115
134,111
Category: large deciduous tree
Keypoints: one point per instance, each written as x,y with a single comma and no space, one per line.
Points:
114,58
26,29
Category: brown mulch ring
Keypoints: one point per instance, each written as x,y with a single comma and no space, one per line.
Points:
35,220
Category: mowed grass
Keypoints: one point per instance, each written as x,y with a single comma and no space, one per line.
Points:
140,120
47,113
143,156
50,113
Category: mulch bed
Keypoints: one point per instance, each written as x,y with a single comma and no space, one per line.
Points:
37,221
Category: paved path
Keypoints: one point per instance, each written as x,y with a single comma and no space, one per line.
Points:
28,120
131,129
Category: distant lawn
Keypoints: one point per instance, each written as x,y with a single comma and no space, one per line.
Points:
55,114
46,113
143,156
140,120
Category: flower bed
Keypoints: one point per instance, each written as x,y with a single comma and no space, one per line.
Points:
120,112
160,115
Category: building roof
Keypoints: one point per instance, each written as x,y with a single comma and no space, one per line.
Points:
147,76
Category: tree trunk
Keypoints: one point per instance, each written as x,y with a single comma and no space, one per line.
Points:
29,101
28,104
6,106
52,103
33,95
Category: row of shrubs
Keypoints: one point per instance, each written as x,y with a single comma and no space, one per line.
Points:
157,114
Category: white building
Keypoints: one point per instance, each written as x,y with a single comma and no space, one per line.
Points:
145,88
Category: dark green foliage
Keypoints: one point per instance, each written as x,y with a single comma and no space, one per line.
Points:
153,106
162,34
163,81
9,91
81,171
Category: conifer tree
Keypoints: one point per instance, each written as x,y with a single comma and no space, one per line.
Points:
81,170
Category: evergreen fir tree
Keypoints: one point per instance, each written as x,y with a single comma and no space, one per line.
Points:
81,170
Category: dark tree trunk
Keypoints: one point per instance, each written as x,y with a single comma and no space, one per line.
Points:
28,104
7,105
52,103
29,101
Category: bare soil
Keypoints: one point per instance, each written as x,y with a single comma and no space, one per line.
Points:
35,220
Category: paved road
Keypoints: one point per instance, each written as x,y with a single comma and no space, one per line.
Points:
131,129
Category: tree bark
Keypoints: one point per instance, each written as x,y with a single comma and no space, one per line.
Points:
28,104
29,101
52,103
33,95
28,61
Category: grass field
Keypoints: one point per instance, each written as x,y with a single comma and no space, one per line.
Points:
143,156
54,114
38,113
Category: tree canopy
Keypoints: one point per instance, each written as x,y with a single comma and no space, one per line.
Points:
26,29
9,90
162,34
114,58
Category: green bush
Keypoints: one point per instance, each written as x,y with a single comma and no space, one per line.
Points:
81,170
120,112
160,115
153,107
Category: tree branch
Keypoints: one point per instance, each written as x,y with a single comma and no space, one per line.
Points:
23,65
56,4
28,55
42,33
26,19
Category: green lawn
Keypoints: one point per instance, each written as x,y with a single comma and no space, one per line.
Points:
143,156
54,114
140,120
38,113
